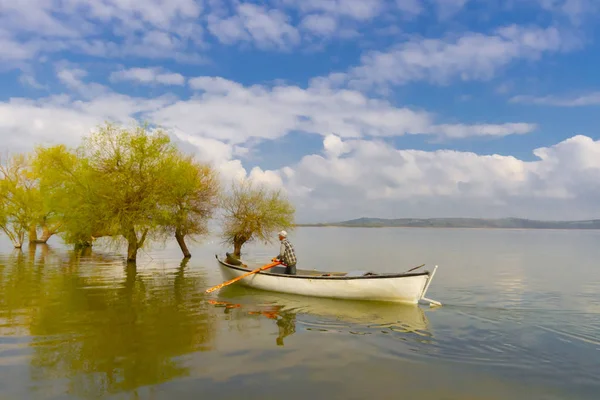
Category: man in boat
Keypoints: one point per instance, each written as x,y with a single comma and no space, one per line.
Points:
286,254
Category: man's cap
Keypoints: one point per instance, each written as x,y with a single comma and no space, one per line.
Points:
283,233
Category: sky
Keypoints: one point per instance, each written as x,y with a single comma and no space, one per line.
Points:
354,108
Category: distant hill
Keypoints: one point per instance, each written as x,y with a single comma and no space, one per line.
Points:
502,223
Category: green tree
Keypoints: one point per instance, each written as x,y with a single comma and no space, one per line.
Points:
68,185
20,200
192,197
129,172
126,184
252,212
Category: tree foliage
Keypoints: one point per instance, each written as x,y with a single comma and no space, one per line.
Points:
253,212
191,199
128,174
20,199
67,200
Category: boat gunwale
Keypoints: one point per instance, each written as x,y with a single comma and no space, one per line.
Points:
331,277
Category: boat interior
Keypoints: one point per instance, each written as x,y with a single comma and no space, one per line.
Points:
301,272
307,272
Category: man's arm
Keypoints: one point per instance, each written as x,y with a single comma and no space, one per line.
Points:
281,252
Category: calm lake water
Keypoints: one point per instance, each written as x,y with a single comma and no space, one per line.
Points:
520,320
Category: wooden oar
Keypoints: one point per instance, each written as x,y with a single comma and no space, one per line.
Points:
264,267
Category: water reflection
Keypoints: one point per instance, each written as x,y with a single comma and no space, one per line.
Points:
285,320
82,324
101,326
324,315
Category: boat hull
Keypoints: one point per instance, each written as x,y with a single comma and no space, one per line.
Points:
399,288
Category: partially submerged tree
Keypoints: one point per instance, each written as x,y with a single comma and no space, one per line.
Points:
20,201
191,198
48,165
68,186
252,212
130,171
12,221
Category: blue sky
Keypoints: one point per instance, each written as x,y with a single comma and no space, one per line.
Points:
384,108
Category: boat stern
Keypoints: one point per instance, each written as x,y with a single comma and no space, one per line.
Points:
432,303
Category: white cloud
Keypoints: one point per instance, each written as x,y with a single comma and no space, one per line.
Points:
228,111
473,56
59,119
62,119
267,178
28,79
24,123
589,99
152,28
72,77
374,179
575,10
448,8
464,131
77,18
148,75
208,149
267,28
355,9
14,52
319,24
334,146
66,118
411,7
35,16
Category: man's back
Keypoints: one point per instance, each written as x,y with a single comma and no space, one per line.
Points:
288,253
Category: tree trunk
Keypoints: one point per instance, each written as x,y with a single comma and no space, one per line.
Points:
237,248
20,239
46,234
180,237
33,234
132,249
133,244
16,235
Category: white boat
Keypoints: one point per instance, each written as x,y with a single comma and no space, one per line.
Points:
406,287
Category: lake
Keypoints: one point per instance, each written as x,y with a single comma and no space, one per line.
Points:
520,320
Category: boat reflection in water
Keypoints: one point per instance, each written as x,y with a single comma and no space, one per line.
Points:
322,314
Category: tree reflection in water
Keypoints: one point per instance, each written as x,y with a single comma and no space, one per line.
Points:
100,327
103,327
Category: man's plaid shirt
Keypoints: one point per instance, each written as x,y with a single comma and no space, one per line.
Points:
286,253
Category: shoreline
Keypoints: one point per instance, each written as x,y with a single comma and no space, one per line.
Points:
446,227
